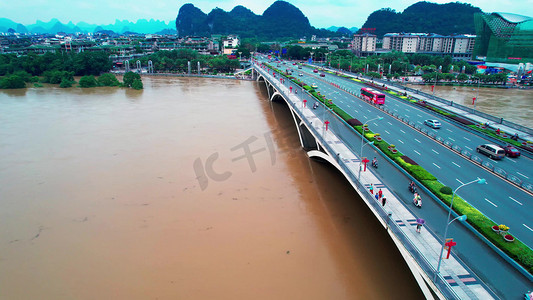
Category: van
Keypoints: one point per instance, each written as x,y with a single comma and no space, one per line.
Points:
492,151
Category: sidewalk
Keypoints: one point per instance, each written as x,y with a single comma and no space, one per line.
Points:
456,277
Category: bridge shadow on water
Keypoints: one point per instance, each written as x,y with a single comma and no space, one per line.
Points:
367,259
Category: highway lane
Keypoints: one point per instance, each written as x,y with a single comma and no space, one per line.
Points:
521,167
498,200
471,249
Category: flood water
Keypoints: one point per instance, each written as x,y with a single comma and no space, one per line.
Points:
515,105
110,193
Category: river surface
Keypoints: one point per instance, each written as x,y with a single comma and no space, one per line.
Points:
515,105
110,193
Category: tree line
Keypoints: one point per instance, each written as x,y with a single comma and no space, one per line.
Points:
60,68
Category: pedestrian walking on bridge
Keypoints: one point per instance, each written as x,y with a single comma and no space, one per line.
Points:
371,188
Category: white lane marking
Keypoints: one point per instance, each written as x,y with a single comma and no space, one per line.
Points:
419,122
369,110
522,175
407,109
356,111
491,202
511,160
389,123
387,132
417,152
419,116
456,165
402,131
467,139
436,165
515,200
434,151
417,140
395,109
401,141
459,181
527,227
451,139
469,148
407,116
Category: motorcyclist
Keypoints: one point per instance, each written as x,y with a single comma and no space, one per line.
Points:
412,187
375,163
417,200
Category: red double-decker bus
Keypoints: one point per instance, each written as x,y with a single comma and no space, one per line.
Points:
373,96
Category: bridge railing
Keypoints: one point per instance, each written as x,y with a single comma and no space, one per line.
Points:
386,216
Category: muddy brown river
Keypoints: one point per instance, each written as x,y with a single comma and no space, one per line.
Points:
515,105
110,193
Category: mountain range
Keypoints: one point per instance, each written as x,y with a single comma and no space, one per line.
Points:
280,20
54,26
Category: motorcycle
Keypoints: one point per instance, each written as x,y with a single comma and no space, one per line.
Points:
315,105
412,188
417,201
375,164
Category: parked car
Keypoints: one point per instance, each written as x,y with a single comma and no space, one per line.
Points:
492,151
511,151
433,123
322,75
315,71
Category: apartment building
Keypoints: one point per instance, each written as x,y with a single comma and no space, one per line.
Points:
365,42
458,46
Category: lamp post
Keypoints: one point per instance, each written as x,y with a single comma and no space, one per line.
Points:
435,86
461,218
477,94
363,141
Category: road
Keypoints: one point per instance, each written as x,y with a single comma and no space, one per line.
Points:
508,283
499,200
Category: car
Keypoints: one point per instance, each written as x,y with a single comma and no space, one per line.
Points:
294,64
432,123
322,75
301,74
511,151
314,86
315,71
299,67
492,151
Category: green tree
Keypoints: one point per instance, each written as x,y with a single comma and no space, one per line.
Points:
129,77
65,83
462,77
137,84
88,81
12,82
108,79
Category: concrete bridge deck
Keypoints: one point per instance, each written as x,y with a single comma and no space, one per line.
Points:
420,250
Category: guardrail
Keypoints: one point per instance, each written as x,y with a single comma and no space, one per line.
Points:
395,230
467,109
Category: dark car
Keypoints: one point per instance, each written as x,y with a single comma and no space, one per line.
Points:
511,151
322,75
315,71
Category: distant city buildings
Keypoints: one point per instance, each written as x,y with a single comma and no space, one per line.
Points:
457,46
364,42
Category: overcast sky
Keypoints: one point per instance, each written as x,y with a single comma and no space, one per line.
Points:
321,13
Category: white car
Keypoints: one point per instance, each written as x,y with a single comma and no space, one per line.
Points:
314,86
301,74
433,123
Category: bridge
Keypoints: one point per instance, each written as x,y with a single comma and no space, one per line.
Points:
323,136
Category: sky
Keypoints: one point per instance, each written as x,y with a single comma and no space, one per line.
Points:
321,13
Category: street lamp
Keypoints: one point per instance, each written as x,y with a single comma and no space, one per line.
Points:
435,86
477,94
461,218
363,142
